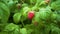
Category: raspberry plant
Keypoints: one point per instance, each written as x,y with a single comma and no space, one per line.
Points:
29,16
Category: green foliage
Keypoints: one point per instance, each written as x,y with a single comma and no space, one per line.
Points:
14,17
17,17
4,12
55,29
55,5
25,12
11,27
36,17
45,13
23,31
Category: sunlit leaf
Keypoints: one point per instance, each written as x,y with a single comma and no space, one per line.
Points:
17,17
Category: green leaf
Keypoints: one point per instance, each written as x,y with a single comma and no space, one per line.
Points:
5,12
58,18
55,5
24,4
54,16
36,17
16,31
4,7
23,31
25,11
4,1
33,1
47,29
12,5
29,31
17,17
11,27
45,13
55,29
1,12
3,32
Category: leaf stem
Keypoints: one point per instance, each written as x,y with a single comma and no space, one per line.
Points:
22,22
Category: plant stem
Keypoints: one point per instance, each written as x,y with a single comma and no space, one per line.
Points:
22,22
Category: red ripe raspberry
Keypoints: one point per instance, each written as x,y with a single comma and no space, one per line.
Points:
30,14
